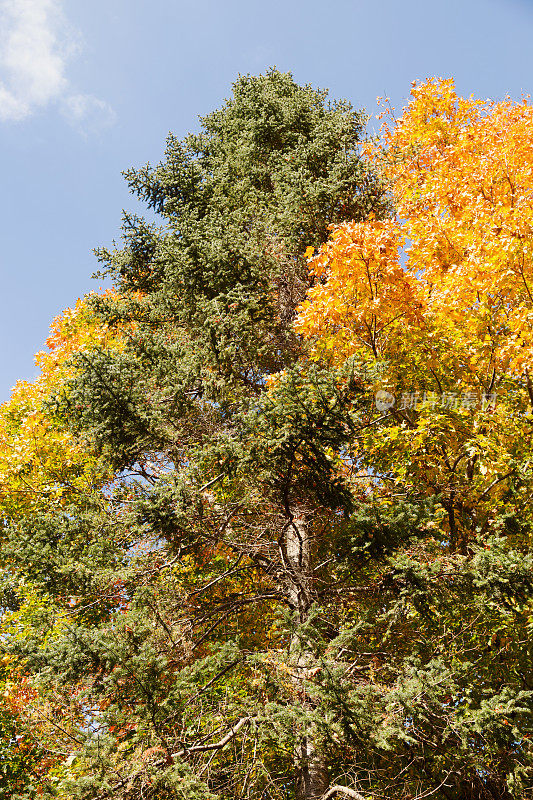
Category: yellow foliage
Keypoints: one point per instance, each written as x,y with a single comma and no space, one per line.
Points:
442,293
41,464
461,173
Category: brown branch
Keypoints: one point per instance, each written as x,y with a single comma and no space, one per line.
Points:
437,380
525,282
230,571
231,609
55,725
492,485
529,387
491,384
399,417
214,680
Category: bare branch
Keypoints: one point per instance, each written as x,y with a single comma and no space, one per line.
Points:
230,571
234,605
212,482
342,790
214,680
204,748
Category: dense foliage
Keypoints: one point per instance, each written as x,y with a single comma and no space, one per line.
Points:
266,529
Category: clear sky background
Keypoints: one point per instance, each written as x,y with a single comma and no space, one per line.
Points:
89,88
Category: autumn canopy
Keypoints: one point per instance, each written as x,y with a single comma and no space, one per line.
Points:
266,512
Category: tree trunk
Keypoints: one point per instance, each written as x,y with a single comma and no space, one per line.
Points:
311,774
312,779
296,557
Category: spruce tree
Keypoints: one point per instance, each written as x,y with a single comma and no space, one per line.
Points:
229,485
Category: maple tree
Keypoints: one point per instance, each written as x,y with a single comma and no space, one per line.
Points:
450,324
433,306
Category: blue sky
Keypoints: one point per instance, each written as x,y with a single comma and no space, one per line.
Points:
91,87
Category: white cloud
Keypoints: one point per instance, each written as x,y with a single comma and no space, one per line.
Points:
36,43
87,114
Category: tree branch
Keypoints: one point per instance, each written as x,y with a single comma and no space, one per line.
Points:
212,482
214,680
203,748
492,485
342,790
529,387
